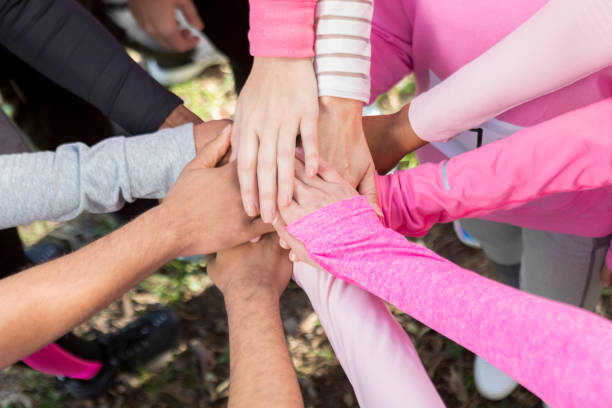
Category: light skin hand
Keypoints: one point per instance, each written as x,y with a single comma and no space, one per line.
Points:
342,143
390,137
310,194
157,18
251,278
278,102
124,257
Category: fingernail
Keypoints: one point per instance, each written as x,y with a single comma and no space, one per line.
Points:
268,215
292,257
283,244
311,172
251,209
226,129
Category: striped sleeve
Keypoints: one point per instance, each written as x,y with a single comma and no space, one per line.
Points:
342,48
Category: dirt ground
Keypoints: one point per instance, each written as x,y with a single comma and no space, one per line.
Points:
195,373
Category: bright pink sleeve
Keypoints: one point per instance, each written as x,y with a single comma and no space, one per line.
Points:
282,28
566,40
572,152
561,353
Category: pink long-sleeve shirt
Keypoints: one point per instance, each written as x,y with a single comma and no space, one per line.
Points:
561,353
561,167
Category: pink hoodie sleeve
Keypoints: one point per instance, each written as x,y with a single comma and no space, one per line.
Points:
561,353
571,152
565,41
282,28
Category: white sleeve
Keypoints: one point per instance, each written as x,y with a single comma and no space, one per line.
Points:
342,48
565,41
374,350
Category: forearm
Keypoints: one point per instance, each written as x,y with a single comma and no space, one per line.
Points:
563,42
61,185
505,174
261,371
43,303
358,323
501,324
390,138
68,45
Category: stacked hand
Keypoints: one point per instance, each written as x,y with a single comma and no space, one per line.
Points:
311,194
278,102
203,210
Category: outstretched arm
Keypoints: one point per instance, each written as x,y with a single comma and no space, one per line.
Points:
64,42
42,303
75,178
252,277
536,341
505,174
563,42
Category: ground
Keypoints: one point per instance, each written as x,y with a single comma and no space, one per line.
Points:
195,373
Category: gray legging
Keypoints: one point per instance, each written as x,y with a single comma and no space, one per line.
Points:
561,267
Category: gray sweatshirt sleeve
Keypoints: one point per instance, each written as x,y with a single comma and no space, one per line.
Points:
75,178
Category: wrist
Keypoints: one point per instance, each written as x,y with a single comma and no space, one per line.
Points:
168,230
250,294
342,108
402,133
180,116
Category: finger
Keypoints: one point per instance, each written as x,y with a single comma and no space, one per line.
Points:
300,175
256,239
293,257
258,228
308,132
266,175
288,239
328,173
247,162
191,14
283,244
214,150
301,191
236,136
285,161
367,187
180,40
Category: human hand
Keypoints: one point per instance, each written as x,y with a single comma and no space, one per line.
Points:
158,19
278,101
180,116
203,209
390,137
310,194
343,145
251,268
206,132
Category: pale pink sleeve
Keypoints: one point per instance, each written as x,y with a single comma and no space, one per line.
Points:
561,353
572,152
374,350
566,40
282,28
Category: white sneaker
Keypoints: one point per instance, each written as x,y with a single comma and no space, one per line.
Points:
491,383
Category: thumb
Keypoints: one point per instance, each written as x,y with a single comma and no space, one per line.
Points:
367,188
191,14
214,150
